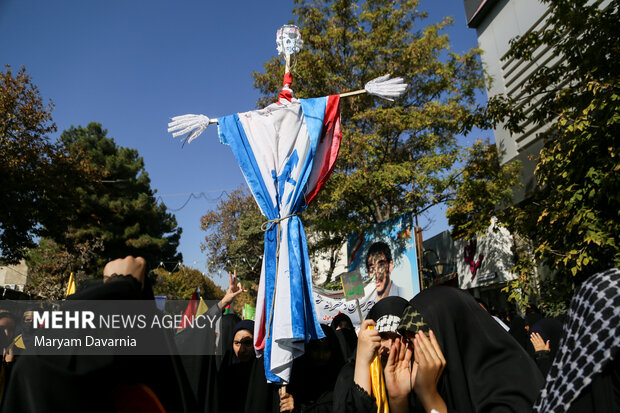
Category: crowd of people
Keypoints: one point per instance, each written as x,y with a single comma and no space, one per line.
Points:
440,352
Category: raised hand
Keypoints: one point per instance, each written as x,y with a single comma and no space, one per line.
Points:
397,373
428,366
136,267
368,342
538,342
234,289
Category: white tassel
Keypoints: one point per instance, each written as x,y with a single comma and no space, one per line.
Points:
386,88
192,125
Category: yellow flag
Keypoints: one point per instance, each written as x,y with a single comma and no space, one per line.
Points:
18,342
70,286
377,382
202,307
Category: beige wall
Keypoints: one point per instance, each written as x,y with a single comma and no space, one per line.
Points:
14,275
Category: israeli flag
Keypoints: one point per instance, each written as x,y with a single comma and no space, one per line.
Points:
286,152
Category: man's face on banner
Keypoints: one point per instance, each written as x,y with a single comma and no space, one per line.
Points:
380,269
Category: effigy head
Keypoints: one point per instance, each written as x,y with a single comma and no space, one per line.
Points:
288,40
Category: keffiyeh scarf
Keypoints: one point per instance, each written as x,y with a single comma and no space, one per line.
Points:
591,339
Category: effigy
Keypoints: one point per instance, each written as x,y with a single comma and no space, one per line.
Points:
286,152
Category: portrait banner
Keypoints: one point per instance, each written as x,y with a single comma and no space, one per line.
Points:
386,259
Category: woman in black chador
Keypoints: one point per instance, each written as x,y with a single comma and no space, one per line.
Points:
314,374
486,370
234,376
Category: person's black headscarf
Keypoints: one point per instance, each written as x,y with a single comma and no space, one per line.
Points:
227,323
200,362
27,330
387,313
234,375
262,396
314,375
7,314
519,333
549,329
343,321
345,333
584,376
347,339
242,325
486,369
532,318
78,383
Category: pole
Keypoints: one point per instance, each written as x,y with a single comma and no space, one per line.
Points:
419,246
359,310
355,92
287,59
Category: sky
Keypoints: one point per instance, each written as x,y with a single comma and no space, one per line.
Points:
133,64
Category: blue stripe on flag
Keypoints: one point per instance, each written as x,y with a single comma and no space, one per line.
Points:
314,114
303,315
310,310
230,131
296,274
270,258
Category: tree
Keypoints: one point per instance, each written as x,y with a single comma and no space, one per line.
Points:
234,239
37,176
120,208
50,265
484,189
181,284
572,215
395,157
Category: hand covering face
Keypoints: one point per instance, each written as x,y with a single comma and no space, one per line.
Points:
486,369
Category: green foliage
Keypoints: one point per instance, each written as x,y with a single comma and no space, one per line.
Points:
523,290
333,285
119,208
37,176
395,157
571,218
555,295
483,187
181,284
50,265
234,240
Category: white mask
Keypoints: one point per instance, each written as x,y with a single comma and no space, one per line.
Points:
288,40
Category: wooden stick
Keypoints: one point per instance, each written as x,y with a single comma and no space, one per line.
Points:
356,92
282,392
359,310
342,95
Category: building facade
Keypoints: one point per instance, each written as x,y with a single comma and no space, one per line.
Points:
481,265
497,22
14,277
